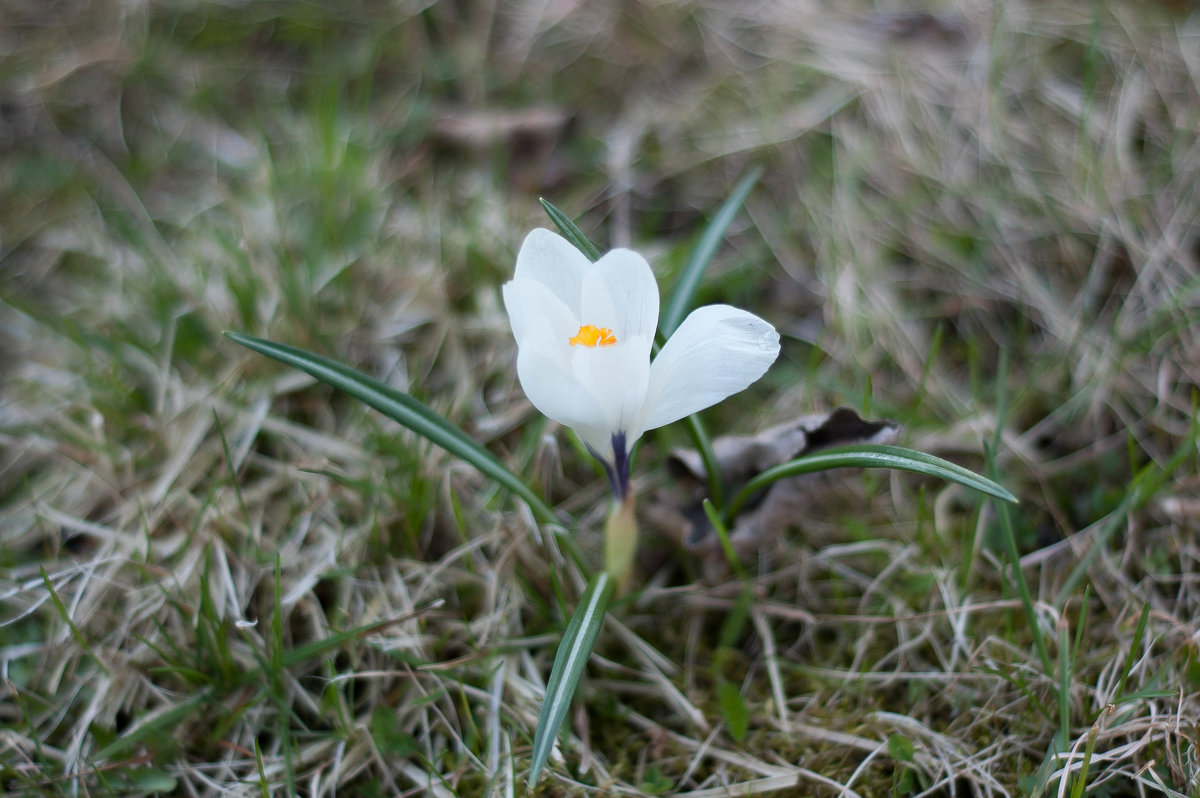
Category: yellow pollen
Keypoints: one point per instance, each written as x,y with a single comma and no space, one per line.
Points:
590,335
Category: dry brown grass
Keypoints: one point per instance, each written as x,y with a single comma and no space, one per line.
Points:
217,577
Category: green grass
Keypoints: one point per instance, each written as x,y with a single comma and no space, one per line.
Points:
218,575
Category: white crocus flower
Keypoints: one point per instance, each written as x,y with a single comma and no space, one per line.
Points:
584,332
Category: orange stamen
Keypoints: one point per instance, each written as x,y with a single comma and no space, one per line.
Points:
590,335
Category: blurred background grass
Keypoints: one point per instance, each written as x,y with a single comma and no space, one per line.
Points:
217,577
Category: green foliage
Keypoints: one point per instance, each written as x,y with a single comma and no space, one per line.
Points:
683,295
901,749
403,409
733,710
389,736
655,782
571,231
569,663
869,456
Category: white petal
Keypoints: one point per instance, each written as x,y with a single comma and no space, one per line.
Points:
538,317
561,397
619,292
549,259
717,351
617,377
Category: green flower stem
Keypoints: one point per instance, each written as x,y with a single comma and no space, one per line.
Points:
620,542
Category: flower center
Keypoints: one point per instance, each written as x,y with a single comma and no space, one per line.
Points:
590,335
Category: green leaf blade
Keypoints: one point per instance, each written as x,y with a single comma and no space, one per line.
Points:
685,289
401,408
870,456
569,662
900,748
708,457
733,710
571,231
680,301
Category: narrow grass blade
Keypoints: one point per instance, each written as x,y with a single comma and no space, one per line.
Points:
714,518
704,447
402,408
1077,789
1064,680
1131,656
263,783
1018,577
160,725
263,671
685,289
569,662
1009,533
1144,487
869,456
66,616
571,231
733,710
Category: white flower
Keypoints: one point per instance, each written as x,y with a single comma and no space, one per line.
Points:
584,332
